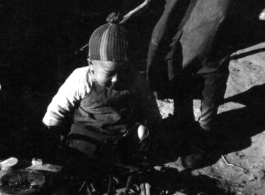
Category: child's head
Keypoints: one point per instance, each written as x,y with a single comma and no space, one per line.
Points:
111,74
108,52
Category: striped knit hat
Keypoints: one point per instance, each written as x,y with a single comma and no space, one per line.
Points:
109,42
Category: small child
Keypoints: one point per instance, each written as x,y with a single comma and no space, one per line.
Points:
105,100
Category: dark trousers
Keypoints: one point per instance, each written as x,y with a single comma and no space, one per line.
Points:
97,145
183,38
210,88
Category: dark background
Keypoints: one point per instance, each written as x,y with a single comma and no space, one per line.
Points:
40,44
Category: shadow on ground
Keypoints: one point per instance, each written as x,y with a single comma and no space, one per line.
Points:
238,124
241,124
234,130
171,181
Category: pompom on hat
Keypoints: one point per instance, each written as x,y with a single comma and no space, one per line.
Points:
109,42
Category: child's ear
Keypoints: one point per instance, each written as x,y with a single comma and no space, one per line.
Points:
91,66
89,61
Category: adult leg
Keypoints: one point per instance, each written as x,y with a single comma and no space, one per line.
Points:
183,100
157,37
213,95
181,79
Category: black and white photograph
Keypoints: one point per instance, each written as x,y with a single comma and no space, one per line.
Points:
142,97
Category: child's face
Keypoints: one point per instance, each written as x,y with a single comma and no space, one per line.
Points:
110,74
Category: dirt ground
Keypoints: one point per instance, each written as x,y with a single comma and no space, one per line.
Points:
238,168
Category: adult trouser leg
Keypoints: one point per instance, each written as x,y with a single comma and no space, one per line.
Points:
158,36
183,101
213,95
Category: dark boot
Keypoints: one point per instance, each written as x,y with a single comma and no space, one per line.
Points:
202,140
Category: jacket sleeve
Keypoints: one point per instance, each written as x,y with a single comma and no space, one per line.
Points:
147,102
67,97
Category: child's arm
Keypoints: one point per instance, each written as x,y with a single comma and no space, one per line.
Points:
147,102
77,85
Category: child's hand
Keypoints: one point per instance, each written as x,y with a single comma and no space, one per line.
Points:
262,15
143,132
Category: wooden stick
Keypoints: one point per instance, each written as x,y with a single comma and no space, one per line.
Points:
135,11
